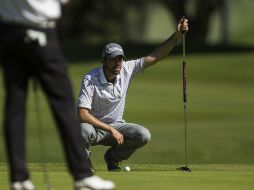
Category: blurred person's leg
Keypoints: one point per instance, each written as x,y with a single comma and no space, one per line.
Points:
53,77
16,76
55,82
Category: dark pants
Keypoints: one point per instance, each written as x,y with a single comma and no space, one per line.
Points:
23,58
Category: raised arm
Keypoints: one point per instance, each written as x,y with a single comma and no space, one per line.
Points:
165,48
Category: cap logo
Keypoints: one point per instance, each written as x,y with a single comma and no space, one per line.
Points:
110,50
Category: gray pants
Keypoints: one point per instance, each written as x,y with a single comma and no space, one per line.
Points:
135,136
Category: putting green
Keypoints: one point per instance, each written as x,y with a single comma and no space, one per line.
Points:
220,119
151,177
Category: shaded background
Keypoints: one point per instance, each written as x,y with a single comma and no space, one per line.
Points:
220,58
216,25
148,21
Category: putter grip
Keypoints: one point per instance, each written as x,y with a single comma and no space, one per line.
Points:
183,18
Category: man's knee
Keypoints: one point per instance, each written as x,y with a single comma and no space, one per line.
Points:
88,133
144,135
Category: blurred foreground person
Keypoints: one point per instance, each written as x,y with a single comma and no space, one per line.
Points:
102,100
29,49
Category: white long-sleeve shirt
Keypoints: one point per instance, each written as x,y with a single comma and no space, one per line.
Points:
40,13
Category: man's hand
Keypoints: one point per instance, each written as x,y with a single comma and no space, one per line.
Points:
117,136
183,26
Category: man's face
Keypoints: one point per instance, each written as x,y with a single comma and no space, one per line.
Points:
114,65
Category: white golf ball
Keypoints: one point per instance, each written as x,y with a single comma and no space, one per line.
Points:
127,168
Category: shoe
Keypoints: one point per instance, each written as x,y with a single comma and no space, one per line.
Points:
23,185
93,183
112,164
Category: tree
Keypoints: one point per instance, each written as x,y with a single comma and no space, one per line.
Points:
92,19
98,20
199,20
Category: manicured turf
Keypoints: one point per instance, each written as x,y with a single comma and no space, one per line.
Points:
150,177
220,120
220,112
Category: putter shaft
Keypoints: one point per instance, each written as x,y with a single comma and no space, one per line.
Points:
185,108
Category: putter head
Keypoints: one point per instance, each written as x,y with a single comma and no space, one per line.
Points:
184,169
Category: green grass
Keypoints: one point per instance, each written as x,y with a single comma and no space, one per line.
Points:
220,112
150,177
220,127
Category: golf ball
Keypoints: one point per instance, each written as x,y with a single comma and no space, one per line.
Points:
127,168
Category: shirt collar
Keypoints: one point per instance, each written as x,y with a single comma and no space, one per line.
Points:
103,79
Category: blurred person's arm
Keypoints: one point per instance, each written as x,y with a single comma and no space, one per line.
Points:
165,48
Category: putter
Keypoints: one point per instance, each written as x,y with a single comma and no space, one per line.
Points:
41,138
184,168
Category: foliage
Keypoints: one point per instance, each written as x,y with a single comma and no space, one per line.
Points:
95,20
199,15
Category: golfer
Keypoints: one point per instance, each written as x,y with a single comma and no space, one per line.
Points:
102,99
29,49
